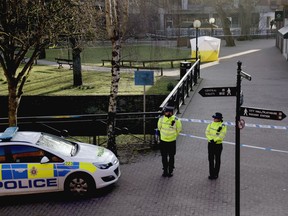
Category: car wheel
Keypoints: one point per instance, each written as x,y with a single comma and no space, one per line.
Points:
79,184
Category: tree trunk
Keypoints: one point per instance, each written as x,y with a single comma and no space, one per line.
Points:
111,144
245,20
116,46
13,104
77,70
116,13
226,26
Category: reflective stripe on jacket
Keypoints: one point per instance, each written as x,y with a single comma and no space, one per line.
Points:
169,131
216,131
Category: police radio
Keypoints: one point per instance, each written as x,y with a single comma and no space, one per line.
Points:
172,123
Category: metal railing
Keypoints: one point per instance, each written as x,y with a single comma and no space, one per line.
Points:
215,32
92,125
181,91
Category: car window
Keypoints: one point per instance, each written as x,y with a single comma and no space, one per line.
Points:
29,154
2,155
53,158
26,154
57,144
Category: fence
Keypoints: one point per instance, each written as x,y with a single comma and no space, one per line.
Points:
215,32
181,91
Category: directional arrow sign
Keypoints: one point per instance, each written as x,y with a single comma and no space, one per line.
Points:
218,91
261,113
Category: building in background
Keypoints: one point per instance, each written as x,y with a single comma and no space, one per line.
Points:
177,18
281,22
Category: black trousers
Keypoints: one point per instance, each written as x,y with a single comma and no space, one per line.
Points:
168,151
214,158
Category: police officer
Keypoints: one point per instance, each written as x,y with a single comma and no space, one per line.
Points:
215,133
170,127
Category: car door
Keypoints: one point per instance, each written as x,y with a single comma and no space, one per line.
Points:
29,174
5,173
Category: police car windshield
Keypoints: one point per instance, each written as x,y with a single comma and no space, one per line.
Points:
57,144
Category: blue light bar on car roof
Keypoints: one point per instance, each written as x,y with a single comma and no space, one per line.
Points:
8,133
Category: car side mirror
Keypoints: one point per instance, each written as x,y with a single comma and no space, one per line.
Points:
125,130
64,133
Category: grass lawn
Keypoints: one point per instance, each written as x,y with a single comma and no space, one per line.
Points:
49,80
94,55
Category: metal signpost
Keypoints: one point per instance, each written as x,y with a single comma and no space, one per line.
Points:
262,113
240,123
232,91
144,78
218,91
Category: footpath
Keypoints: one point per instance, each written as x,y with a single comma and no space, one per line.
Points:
264,187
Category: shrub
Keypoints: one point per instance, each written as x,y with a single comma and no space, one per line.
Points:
170,86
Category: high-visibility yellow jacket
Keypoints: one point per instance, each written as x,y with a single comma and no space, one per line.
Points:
169,131
216,131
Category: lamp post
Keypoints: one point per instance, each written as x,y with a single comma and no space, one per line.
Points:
212,21
196,24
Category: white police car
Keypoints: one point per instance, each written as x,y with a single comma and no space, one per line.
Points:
35,162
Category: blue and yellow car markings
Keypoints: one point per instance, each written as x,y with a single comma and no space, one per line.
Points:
34,170
6,172
19,171
40,171
88,167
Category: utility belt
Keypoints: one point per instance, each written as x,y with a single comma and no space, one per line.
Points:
216,143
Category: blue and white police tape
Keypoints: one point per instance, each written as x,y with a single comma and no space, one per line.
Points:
241,145
233,124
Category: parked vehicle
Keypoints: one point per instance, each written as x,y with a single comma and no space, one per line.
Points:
36,162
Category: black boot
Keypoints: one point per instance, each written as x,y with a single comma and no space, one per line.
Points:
165,172
170,172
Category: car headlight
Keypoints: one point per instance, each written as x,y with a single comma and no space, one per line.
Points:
103,165
114,161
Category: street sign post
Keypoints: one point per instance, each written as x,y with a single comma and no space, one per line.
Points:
218,92
262,113
233,91
245,75
239,125
144,78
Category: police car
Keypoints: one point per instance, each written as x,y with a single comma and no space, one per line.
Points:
36,162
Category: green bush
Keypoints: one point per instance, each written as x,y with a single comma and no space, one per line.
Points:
170,86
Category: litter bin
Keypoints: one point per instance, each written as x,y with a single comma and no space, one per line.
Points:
184,66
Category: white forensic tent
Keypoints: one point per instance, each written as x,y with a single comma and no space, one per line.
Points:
208,48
